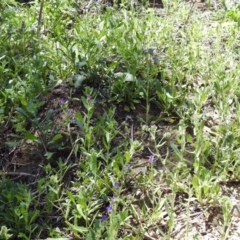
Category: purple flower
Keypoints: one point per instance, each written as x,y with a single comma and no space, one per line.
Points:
155,60
116,184
69,112
9,31
150,50
62,101
89,97
151,159
113,198
104,218
179,111
23,26
184,108
145,51
109,208
127,167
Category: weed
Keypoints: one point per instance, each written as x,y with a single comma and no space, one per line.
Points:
133,110
17,214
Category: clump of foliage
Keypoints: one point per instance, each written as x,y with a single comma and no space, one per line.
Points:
123,72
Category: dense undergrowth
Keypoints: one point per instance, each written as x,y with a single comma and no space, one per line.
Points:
90,92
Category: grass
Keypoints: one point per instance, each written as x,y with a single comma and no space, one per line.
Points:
121,122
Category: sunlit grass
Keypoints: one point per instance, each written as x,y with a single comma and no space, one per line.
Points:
181,60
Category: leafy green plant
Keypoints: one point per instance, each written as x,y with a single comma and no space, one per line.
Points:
127,89
17,211
101,177
206,189
4,233
168,97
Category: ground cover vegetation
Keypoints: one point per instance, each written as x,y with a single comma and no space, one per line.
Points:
119,119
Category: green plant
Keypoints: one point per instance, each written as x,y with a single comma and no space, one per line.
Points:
17,211
106,173
205,187
4,233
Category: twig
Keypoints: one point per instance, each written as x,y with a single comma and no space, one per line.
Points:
70,154
132,132
190,12
40,15
17,174
89,4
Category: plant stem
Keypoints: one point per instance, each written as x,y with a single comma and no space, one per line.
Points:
40,16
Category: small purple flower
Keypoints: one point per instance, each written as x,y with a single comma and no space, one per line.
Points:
127,167
150,50
89,97
116,184
179,111
62,101
109,208
23,26
9,31
69,112
155,60
151,159
145,51
184,108
113,198
104,218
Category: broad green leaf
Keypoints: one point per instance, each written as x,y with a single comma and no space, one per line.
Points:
12,144
81,64
57,137
49,114
126,108
30,136
112,66
71,197
78,80
126,76
23,102
175,149
77,228
23,113
49,155
79,121
80,211
195,182
34,216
